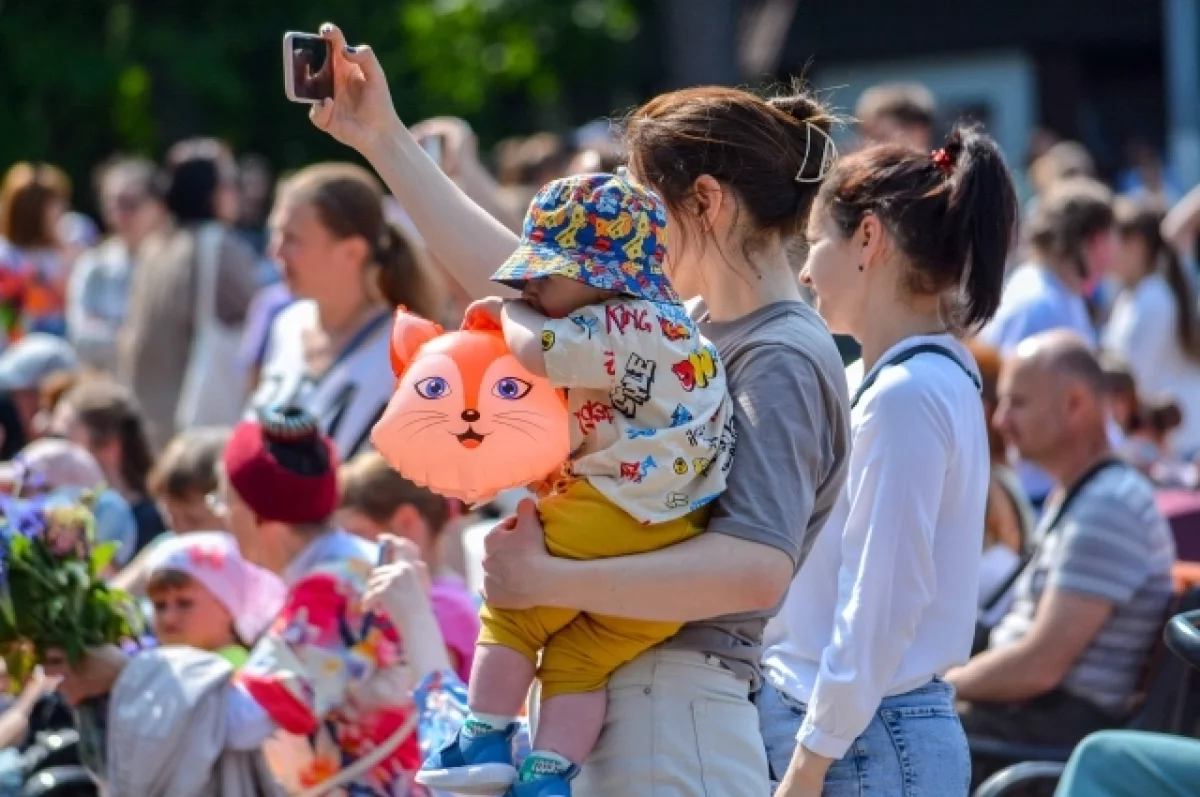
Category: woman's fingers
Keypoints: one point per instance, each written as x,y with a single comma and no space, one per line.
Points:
364,57
321,114
527,512
395,549
333,34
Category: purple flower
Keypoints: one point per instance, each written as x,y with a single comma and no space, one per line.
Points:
132,647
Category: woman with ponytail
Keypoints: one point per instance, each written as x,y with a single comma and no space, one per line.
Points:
350,269
1153,326
907,252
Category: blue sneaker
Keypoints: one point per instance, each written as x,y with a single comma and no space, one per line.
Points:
478,761
542,778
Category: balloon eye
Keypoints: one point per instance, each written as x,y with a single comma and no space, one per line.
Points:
510,388
432,387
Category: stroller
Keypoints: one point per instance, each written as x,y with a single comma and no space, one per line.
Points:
47,764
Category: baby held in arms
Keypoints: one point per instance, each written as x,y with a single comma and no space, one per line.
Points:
651,441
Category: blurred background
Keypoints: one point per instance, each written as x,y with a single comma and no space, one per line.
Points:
86,78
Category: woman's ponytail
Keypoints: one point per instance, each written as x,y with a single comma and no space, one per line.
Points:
983,205
952,212
401,277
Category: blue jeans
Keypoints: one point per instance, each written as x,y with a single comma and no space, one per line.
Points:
914,746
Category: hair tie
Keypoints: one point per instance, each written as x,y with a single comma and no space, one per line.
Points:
383,244
828,155
942,160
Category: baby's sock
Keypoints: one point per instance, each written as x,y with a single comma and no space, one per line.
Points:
479,724
544,764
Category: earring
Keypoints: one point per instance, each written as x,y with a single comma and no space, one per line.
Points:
860,266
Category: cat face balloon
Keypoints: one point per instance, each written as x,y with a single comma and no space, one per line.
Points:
467,420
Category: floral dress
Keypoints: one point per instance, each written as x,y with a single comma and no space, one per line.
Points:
334,675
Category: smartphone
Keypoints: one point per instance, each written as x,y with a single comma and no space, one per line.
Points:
307,68
385,553
434,146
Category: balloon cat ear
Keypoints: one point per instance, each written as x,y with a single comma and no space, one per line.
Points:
478,320
409,333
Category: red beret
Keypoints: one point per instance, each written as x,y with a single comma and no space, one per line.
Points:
302,491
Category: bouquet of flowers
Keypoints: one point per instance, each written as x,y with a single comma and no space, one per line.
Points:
52,594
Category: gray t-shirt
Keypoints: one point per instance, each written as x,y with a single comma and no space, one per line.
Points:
792,415
1112,543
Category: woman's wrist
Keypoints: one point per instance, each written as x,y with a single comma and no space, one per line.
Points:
386,143
554,582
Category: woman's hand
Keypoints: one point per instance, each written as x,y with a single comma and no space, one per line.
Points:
38,684
400,581
94,676
517,568
400,586
361,110
460,147
806,775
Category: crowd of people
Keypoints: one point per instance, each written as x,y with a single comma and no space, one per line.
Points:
924,505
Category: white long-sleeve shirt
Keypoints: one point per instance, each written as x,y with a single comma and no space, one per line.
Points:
887,598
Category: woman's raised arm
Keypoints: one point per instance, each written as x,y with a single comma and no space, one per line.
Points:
462,235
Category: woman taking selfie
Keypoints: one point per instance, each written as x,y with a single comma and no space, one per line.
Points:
737,174
907,249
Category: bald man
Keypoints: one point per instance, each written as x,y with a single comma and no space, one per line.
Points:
1066,659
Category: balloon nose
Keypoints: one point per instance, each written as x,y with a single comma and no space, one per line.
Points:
470,416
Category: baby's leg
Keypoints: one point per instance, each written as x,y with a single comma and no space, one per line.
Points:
569,724
576,666
479,758
506,656
500,679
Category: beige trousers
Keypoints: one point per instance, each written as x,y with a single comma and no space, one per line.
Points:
679,725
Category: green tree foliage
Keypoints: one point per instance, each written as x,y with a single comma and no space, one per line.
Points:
85,78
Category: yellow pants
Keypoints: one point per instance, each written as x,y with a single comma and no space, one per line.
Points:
580,651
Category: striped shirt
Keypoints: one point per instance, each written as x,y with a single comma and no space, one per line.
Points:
1112,544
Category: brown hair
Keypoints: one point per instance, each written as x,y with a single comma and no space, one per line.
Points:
349,202
989,362
163,580
910,104
769,152
1070,213
370,486
1143,220
1158,417
108,410
27,191
188,466
1061,161
954,221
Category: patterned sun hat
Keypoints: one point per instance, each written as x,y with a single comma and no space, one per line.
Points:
601,229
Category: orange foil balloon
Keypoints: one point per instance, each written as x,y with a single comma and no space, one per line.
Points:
467,420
